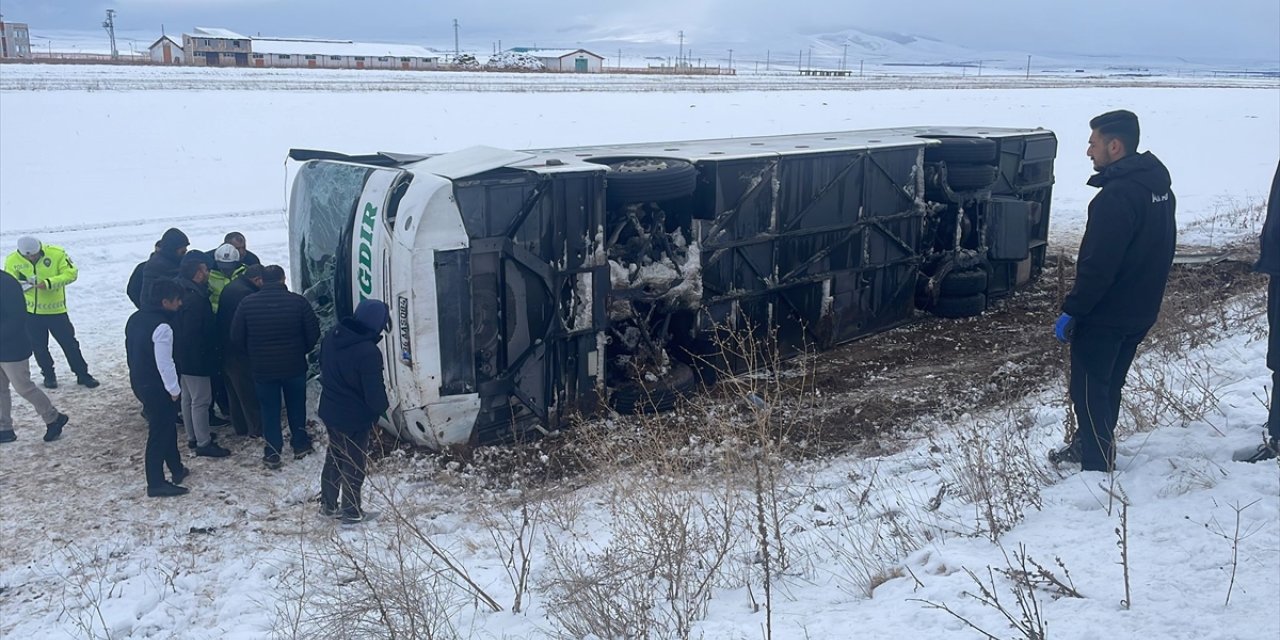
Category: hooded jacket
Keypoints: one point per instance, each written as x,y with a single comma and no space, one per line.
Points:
1269,257
54,269
1128,246
196,350
277,328
353,394
15,346
163,264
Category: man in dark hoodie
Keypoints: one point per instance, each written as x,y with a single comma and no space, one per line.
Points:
1269,263
15,364
352,397
1121,273
246,415
163,264
278,328
196,354
134,288
148,344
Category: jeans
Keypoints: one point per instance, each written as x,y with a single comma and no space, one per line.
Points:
39,327
162,435
344,469
1100,359
294,391
18,374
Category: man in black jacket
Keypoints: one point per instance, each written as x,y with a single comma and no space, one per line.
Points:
352,397
15,367
277,328
134,288
163,263
1269,263
246,416
148,343
196,354
247,257
1121,273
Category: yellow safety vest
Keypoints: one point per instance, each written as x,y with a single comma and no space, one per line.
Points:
54,269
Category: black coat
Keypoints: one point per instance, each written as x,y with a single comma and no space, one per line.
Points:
134,288
196,349
277,328
1269,258
232,295
160,266
15,346
352,394
1128,246
144,375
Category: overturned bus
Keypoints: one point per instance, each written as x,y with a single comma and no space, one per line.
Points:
527,286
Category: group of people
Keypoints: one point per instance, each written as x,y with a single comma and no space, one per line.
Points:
222,320
219,328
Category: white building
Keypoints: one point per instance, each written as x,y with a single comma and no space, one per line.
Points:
15,40
339,54
571,60
166,50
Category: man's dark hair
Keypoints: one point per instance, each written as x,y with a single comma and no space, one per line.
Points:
189,268
253,271
1121,125
233,236
272,273
162,290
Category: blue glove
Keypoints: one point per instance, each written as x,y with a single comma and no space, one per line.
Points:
1064,328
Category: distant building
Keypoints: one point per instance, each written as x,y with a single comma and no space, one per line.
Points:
572,60
340,54
166,50
209,47
15,40
212,47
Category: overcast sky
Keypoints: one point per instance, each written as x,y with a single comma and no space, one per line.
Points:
1219,29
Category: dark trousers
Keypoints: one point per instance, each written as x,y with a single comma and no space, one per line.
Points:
344,468
221,400
162,435
1100,359
294,391
1273,354
39,327
245,414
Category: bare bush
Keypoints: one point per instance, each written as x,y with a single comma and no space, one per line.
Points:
1025,615
993,469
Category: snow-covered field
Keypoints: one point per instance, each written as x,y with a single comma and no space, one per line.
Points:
103,172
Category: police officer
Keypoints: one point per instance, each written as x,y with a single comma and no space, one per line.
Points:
44,272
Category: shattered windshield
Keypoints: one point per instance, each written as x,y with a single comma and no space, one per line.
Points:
321,211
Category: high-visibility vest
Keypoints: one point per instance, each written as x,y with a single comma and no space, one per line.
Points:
219,281
54,269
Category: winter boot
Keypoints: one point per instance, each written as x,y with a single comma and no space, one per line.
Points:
1066,454
1257,453
51,380
212,450
272,461
8,436
87,380
181,474
166,490
53,430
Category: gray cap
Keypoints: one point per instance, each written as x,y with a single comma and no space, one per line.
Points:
28,246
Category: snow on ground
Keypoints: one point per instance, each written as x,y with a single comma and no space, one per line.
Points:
103,173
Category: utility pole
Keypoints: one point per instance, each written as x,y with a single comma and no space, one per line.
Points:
844,56
810,56
1028,66
680,58
860,68
800,61
457,53
731,58
767,56
110,25
979,68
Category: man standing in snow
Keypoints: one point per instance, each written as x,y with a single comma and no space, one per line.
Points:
15,368
278,328
1121,273
1269,263
246,416
148,346
163,263
196,354
247,257
45,271
352,397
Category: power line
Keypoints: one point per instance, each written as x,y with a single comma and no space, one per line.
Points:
110,25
